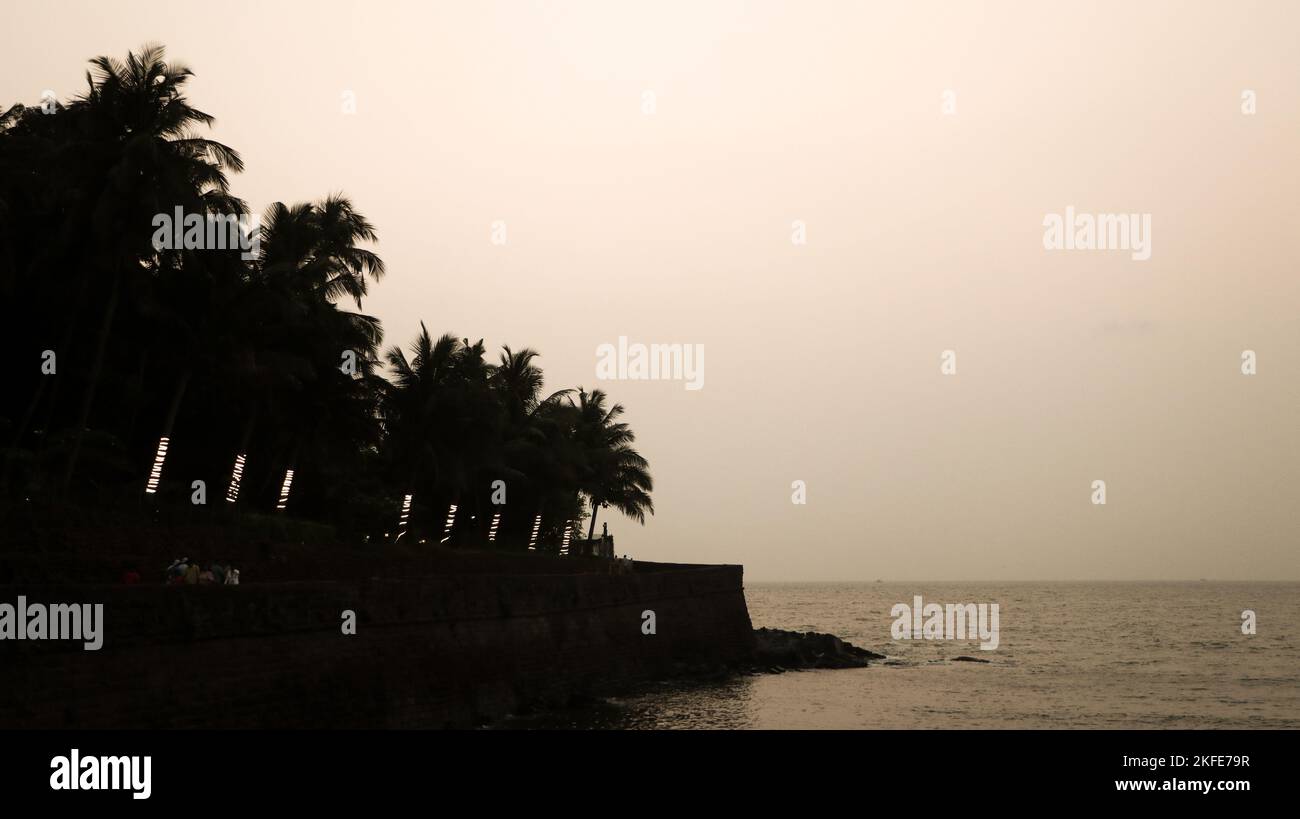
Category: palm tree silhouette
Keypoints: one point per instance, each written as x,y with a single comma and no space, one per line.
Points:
138,142
614,473
239,358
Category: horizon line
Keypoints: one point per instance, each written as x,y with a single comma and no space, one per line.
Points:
1040,580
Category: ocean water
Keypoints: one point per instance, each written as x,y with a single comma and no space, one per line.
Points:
1070,655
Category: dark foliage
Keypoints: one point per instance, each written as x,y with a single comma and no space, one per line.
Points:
226,356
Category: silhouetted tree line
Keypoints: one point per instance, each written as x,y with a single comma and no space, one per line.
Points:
250,366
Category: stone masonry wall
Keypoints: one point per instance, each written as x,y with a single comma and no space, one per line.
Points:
437,651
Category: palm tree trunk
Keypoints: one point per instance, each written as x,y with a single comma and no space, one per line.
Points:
22,431
34,404
591,530
30,412
96,367
160,456
282,498
241,452
246,437
174,409
248,431
137,389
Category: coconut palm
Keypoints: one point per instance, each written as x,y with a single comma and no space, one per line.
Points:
246,353
319,246
614,474
443,421
137,140
539,457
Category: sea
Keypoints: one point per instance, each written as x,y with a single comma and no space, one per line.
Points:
1069,655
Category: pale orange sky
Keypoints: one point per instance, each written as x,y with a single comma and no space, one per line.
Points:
924,234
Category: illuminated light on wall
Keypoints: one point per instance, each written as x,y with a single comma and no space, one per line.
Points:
406,512
284,489
155,474
568,532
537,526
232,493
451,520
404,518
492,533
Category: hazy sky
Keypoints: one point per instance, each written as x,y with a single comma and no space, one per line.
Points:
924,234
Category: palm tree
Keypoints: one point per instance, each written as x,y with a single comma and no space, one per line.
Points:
248,350
430,415
310,257
614,473
318,245
538,453
333,413
138,140
412,406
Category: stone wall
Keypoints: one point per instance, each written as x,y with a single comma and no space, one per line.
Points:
442,650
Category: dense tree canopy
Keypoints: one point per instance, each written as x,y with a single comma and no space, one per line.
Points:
242,359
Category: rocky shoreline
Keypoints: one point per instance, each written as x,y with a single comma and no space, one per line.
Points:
777,650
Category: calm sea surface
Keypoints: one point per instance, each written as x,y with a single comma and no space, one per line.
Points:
1071,655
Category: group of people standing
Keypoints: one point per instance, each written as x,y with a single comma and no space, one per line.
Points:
184,571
